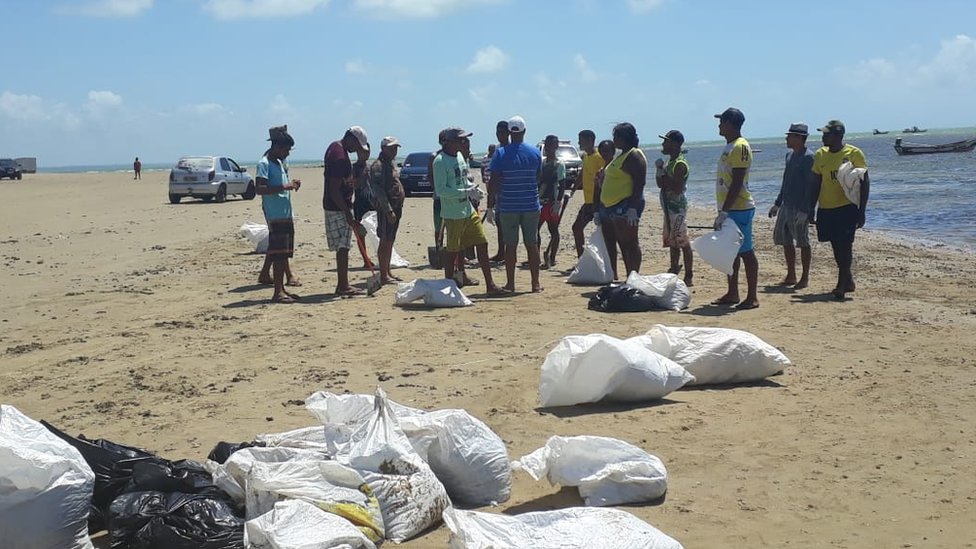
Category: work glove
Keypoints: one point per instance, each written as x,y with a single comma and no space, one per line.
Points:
720,220
490,216
802,218
773,211
632,217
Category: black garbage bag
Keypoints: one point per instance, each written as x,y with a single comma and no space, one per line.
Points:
621,298
184,476
222,451
112,464
158,520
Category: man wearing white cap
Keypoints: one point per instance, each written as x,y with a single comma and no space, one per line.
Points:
388,195
340,176
514,180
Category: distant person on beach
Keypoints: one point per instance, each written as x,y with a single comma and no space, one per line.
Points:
271,182
592,163
493,216
137,169
623,193
601,216
837,217
514,177
735,202
552,182
461,221
340,221
388,197
792,206
672,179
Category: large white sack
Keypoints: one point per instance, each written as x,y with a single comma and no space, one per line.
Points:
296,524
305,437
667,290
434,293
593,267
257,234
373,240
590,368
606,470
573,528
329,485
469,459
720,248
716,355
411,498
45,487
231,476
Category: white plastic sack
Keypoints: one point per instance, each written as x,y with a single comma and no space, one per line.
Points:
595,367
329,485
593,267
716,355
850,179
667,290
606,470
410,496
574,528
720,248
469,459
312,438
296,524
45,487
231,476
257,234
434,293
373,240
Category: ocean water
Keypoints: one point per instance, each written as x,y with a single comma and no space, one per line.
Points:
925,198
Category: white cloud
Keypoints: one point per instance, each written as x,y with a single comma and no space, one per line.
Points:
955,62
206,109
280,107
490,59
642,6
585,71
226,10
484,94
108,8
418,9
703,82
355,66
101,102
33,109
952,66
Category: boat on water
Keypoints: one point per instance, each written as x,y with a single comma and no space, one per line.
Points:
879,132
914,129
918,148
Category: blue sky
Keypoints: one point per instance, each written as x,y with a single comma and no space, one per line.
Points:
103,81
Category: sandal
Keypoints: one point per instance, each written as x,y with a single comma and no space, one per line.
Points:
283,299
294,282
348,292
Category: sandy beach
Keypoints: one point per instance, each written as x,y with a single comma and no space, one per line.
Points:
127,318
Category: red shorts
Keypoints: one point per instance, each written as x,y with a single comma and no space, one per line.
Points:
548,214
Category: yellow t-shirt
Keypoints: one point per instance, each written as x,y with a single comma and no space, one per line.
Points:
825,164
591,165
736,154
617,184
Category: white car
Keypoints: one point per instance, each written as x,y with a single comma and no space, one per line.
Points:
209,178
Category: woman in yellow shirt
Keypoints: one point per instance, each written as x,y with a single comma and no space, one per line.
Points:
622,194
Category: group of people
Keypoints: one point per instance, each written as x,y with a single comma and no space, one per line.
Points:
528,190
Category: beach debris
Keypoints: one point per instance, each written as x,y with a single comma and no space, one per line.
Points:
720,248
257,234
148,519
641,293
298,524
433,293
593,267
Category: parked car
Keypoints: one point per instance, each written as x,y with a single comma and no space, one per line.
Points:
9,168
414,176
210,178
569,155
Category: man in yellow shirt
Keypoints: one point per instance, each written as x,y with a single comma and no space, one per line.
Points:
838,218
736,204
592,163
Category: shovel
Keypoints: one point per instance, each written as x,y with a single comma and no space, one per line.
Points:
373,281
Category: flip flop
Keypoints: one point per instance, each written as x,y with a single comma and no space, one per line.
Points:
498,290
746,306
348,292
266,282
724,302
283,299
294,283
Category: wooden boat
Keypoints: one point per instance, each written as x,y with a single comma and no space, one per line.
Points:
914,129
879,132
917,148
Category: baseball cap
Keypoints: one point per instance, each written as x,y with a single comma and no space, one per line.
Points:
454,133
279,134
732,115
833,126
798,128
360,134
516,124
674,135
389,141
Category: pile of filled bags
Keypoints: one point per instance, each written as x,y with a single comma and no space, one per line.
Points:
373,470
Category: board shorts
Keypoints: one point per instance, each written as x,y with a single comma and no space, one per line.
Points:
743,220
788,230
386,230
281,238
837,224
338,233
512,223
464,233
548,214
619,210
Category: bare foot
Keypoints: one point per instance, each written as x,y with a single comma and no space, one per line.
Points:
282,298
494,290
348,291
803,283
689,281
509,288
266,280
537,289
747,304
788,281
726,299
294,282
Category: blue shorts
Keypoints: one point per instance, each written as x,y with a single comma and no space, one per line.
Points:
620,209
743,220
